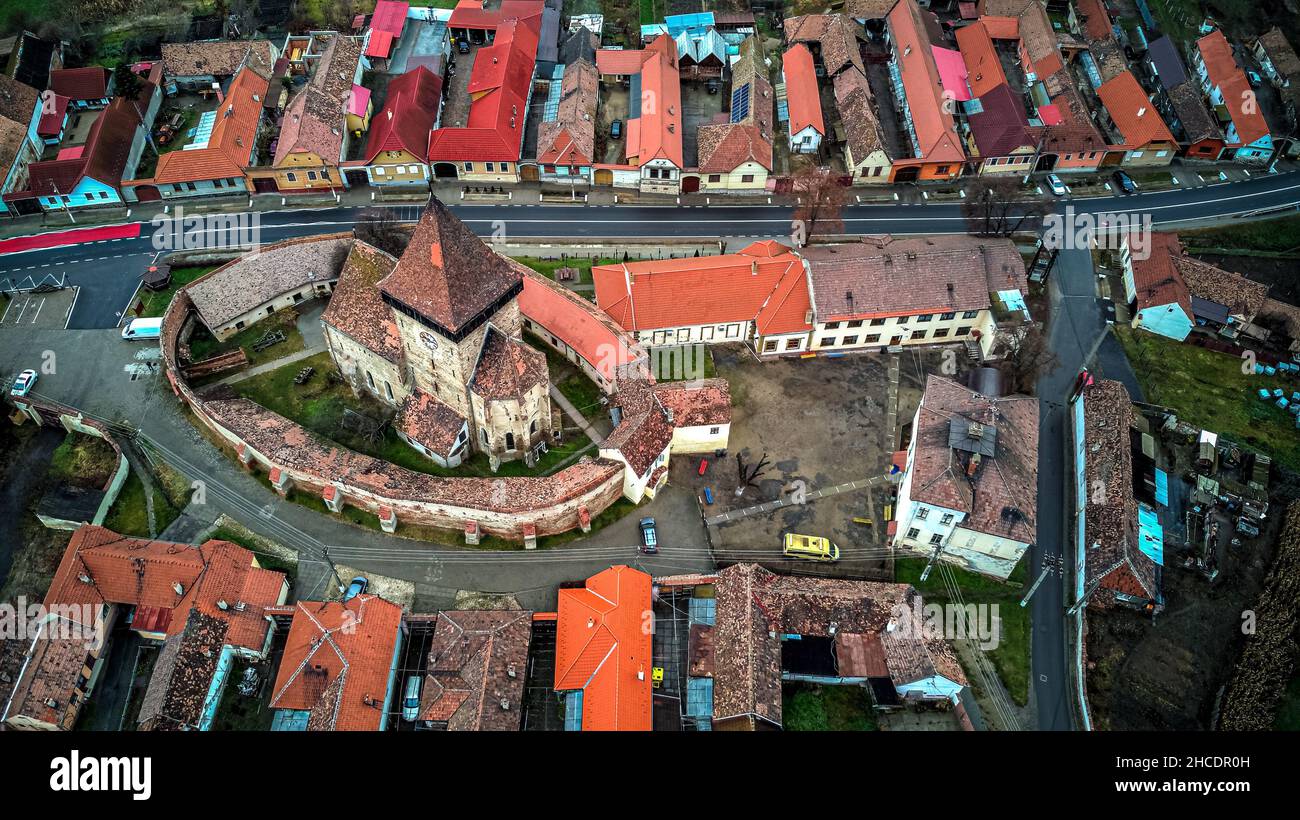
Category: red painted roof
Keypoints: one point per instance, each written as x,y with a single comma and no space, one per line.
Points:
390,17
936,132
801,90
234,135
103,158
51,122
380,44
764,283
408,115
602,647
494,130
336,663
1133,112
1233,85
472,14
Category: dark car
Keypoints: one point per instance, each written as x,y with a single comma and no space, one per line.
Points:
649,536
1107,309
358,586
462,46
616,130
1124,183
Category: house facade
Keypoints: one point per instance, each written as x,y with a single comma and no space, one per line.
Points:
1224,84
806,128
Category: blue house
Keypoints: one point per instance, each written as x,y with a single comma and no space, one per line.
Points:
1161,301
20,145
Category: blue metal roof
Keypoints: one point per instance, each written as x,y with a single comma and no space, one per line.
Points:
1162,488
573,711
702,611
290,720
699,698
677,23
1151,536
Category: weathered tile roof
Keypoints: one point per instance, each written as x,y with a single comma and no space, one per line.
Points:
17,100
1195,119
447,274
336,662
1281,53
1156,280
644,431
1243,297
755,607
429,421
49,673
696,403
857,109
1001,498
724,148
507,368
182,675
218,58
356,308
836,35
884,276
316,118
1113,558
478,662
285,443
234,136
602,647
254,279
569,139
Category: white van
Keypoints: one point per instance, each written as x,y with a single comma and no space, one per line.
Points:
138,329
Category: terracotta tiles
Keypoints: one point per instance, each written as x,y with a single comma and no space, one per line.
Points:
507,368
477,665
356,308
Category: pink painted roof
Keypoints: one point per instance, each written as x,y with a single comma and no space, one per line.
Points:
390,17
359,101
952,72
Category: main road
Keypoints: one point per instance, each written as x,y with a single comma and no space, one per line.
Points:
108,271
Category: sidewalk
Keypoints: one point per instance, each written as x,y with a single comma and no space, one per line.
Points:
579,419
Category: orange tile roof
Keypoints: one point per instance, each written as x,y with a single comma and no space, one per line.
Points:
337,662
936,132
657,132
983,68
801,90
603,647
1133,112
102,567
575,321
764,283
1225,74
1096,23
234,136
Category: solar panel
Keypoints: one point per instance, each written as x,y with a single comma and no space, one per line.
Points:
740,103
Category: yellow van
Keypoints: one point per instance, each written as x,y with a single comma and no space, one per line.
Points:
810,548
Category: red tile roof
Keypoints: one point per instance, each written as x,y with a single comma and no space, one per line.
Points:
578,323
234,136
337,660
1133,112
764,283
90,83
501,83
1096,22
724,148
936,133
102,567
657,132
1227,76
603,648
801,90
476,14
408,115
103,160
1156,280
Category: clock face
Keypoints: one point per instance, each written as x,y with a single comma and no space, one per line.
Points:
429,340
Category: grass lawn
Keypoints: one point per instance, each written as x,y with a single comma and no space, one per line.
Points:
582,264
129,514
1011,657
809,707
156,302
83,460
203,345
318,405
1208,389
1270,235
675,363
242,713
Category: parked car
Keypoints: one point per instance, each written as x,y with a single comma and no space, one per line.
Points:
411,699
1107,309
23,384
649,536
1124,183
809,548
462,45
1058,187
616,130
358,586
142,329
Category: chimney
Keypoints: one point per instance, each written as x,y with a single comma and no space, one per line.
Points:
973,465
216,87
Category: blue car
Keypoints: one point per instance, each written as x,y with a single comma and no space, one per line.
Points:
649,536
358,586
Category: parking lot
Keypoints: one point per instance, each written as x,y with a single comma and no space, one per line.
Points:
27,310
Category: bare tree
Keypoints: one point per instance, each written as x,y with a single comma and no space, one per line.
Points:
1001,206
1025,354
748,475
821,201
378,228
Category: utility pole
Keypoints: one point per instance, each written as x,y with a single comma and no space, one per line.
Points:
1034,587
66,209
333,569
1083,599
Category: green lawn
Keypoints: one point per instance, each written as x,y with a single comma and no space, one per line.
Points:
674,363
156,302
129,514
203,345
319,405
1270,235
808,707
1209,389
581,264
83,460
1011,656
